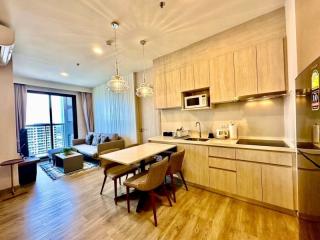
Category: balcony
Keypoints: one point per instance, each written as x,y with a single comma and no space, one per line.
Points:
40,139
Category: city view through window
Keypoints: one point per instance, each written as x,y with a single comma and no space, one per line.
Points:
49,122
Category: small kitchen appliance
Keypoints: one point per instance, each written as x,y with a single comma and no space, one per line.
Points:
196,101
222,133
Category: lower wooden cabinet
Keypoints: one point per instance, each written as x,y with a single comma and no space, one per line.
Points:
249,180
223,180
277,185
195,164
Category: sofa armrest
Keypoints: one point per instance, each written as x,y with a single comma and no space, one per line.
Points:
118,144
78,141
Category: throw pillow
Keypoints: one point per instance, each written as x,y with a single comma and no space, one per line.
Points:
96,139
104,138
88,139
115,137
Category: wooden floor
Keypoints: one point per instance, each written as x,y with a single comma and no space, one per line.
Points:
71,208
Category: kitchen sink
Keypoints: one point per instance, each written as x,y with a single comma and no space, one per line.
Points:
197,139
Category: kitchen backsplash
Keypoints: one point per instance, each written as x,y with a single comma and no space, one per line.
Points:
254,119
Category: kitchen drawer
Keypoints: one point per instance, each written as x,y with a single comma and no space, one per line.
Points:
222,163
223,180
278,158
222,152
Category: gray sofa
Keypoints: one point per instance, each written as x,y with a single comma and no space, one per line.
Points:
92,151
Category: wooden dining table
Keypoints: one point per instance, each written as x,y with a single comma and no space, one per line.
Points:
138,155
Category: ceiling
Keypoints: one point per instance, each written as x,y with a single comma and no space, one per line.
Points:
53,35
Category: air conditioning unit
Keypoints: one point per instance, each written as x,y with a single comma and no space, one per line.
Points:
6,45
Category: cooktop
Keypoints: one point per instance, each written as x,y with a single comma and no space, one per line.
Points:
269,143
306,145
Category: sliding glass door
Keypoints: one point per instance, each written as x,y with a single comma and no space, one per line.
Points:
51,121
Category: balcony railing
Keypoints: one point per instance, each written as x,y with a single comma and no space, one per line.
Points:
40,138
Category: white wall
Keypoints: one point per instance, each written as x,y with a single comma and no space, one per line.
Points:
289,101
8,147
308,31
116,113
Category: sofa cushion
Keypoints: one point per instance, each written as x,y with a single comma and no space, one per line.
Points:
104,138
86,149
96,139
88,139
115,136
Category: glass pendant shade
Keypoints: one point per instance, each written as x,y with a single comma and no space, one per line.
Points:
117,84
145,89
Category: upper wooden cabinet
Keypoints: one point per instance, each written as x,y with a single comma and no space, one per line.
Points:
160,95
201,74
187,78
173,89
270,66
245,69
222,86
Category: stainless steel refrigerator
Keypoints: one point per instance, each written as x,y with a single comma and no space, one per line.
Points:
307,129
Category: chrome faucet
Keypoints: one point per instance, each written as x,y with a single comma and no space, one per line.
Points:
198,124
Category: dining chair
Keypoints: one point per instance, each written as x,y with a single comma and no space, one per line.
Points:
115,171
148,182
175,167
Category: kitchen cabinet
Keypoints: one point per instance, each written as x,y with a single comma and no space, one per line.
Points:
222,152
222,163
160,95
173,89
249,180
222,85
277,182
201,74
270,66
271,157
245,71
223,180
187,78
195,164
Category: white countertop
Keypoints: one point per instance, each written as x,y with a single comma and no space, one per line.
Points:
136,154
221,143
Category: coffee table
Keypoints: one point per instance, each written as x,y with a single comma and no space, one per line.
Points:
70,162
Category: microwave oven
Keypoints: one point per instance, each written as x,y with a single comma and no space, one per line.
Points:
196,101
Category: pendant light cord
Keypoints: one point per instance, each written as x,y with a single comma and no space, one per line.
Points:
116,51
144,65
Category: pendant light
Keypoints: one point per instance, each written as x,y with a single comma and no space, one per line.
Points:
117,84
144,90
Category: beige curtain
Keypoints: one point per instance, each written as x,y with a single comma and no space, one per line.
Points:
20,94
87,109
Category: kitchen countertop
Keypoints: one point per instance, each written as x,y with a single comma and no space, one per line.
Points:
221,143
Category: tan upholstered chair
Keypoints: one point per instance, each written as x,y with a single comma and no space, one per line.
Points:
175,167
148,182
115,171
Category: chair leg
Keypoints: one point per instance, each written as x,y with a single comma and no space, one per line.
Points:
153,202
184,182
119,180
104,182
173,186
115,191
167,194
128,200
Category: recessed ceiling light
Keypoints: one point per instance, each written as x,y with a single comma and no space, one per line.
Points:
64,74
97,50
